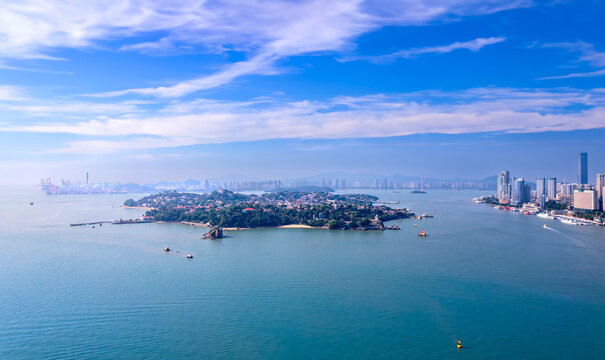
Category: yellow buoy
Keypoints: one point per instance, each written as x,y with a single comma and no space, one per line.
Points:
459,344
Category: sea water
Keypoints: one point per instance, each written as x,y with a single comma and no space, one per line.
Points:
498,281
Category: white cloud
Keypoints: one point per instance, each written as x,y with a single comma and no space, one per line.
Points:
587,54
205,121
12,93
600,72
266,31
472,45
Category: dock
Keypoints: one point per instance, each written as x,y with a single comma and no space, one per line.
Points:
91,223
131,221
114,222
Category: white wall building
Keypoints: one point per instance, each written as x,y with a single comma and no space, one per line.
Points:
585,199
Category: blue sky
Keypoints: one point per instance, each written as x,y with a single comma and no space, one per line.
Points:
152,90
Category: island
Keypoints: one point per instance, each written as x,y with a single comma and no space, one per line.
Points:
228,210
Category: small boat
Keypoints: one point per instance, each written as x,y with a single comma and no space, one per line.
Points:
422,233
31,203
415,225
189,256
166,248
545,226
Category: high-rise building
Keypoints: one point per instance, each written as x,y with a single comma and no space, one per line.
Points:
600,184
504,186
541,191
551,188
540,187
520,194
585,199
583,168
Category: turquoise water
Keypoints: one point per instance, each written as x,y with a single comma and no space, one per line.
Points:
505,286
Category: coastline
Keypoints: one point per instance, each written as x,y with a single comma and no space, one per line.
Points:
289,226
299,226
138,207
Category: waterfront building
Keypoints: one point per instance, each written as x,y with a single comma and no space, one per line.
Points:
568,189
600,186
504,186
585,199
551,188
540,191
583,168
520,191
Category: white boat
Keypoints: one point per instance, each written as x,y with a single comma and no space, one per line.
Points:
569,221
545,226
545,215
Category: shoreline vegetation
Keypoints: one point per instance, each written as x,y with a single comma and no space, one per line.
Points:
285,210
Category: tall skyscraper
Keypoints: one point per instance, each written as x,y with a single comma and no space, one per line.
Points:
600,184
504,186
583,168
600,187
540,187
551,188
541,191
519,192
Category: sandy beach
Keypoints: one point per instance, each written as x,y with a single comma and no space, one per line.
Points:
297,226
137,207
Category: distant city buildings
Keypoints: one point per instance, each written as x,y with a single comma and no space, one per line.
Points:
581,195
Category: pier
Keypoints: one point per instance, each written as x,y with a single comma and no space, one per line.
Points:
91,223
114,222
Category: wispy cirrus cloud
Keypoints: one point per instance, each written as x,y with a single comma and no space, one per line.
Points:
9,93
265,31
587,53
378,115
472,45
